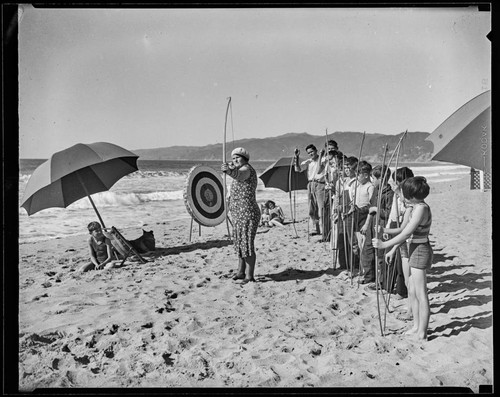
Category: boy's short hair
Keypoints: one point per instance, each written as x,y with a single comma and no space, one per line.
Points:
93,226
331,142
364,167
415,188
378,171
311,146
402,174
351,162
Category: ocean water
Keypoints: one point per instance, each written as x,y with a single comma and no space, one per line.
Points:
153,195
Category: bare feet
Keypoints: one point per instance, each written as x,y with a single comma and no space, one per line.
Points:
238,277
247,280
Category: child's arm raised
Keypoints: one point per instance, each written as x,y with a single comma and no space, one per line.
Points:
417,215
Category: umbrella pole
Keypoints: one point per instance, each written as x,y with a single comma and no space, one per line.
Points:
97,212
90,198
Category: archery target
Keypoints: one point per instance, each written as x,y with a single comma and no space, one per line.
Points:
204,196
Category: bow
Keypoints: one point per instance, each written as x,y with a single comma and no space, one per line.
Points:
290,173
344,226
391,276
333,228
377,220
326,217
353,205
224,187
383,177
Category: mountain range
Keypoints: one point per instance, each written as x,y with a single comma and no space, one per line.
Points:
415,148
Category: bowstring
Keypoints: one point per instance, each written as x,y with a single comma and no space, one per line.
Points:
232,125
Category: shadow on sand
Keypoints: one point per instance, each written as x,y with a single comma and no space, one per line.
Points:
481,320
159,252
456,281
297,274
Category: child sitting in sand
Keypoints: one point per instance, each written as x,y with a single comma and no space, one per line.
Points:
276,215
414,191
264,218
100,249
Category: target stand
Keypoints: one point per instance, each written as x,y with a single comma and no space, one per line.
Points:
204,197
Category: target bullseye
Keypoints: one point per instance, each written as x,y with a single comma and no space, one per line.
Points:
203,196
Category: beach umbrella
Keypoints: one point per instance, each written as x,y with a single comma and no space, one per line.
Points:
278,176
76,172
465,137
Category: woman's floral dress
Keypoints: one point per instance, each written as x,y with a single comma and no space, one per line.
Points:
245,213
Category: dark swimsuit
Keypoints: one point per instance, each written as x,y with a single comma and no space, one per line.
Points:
100,250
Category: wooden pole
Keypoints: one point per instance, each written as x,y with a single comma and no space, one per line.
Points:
90,198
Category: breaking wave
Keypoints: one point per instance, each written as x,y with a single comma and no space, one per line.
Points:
113,199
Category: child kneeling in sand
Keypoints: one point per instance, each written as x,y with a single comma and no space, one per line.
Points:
276,215
101,250
414,191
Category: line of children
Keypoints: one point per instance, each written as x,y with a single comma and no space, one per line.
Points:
397,206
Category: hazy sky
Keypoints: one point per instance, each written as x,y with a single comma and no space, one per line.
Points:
145,78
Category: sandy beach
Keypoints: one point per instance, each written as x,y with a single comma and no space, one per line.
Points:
181,321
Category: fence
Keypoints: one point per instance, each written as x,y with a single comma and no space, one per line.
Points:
479,179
